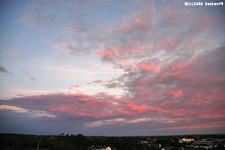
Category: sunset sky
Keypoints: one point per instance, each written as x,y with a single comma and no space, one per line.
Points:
111,67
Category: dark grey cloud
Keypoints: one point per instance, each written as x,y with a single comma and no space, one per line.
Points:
4,70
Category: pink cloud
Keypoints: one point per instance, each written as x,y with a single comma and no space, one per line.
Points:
73,104
82,105
146,46
90,52
64,44
168,43
131,51
74,86
57,47
73,29
126,27
147,67
138,23
137,20
107,31
107,53
15,54
33,79
123,60
175,93
69,30
98,81
64,32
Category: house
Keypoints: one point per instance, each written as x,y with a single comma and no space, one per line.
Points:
99,147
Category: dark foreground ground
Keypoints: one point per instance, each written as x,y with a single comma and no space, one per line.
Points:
80,142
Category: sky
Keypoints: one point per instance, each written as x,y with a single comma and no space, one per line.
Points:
111,67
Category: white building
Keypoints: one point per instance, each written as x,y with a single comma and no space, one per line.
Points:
99,148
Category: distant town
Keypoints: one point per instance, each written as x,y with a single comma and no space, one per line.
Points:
81,142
